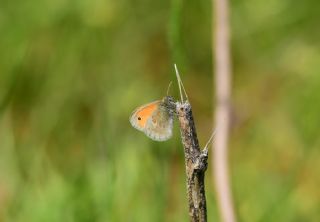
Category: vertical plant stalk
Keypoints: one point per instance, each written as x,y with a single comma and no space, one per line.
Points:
195,162
221,47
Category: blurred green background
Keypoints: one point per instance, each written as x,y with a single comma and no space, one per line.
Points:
71,72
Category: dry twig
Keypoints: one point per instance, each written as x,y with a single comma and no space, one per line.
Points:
195,159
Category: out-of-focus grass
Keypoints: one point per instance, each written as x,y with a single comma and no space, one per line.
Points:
72,72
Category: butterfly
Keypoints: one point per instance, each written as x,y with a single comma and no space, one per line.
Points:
155,119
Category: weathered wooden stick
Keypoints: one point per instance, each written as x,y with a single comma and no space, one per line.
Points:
195,161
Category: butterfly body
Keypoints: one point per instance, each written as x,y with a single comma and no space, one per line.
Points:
155,119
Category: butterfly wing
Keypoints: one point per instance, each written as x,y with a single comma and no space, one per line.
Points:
159,125
139,117
154,120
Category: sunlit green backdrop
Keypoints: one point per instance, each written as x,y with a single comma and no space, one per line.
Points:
71,72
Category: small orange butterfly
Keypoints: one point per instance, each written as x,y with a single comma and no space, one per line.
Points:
155,119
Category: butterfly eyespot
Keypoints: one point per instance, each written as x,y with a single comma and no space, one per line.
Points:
139,118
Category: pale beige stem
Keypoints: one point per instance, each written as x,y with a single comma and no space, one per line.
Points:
222,115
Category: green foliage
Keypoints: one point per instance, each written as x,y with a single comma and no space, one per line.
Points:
71,72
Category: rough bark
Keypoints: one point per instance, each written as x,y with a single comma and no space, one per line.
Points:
195,163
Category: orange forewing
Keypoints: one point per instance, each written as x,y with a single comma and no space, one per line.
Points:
145,112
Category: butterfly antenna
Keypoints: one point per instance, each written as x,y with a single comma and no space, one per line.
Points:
169,87
210,139
180,84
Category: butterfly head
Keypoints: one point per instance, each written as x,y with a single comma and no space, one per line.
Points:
169,103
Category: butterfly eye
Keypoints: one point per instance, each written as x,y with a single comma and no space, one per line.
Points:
139,118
